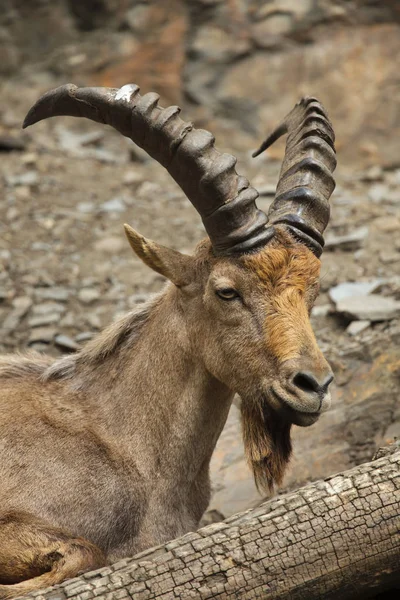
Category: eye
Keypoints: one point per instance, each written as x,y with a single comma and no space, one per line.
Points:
227,294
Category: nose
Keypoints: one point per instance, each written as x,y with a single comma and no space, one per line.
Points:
304,387
313,383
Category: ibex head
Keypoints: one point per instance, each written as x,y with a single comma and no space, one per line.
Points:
248,290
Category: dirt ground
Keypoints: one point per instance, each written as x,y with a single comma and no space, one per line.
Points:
66,270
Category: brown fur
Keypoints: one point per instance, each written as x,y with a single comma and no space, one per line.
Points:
290,274
106,452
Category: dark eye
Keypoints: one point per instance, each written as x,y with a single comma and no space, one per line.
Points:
227,294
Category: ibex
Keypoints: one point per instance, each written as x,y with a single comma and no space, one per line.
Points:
106,452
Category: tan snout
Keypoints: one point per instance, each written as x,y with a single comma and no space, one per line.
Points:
303,389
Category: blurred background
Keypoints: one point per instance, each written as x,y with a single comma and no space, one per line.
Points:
235,67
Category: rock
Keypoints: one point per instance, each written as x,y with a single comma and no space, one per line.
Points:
357,288
369,308
44,319
59,294
113,205
66,343
86,207
9,143
357,327
28,178
351,241
23,192
215,43
48,307
93,320
4,295
211,516
84,336
39,346
321,311
137,18
21,306
29,159
12,213
70,140
43,335
68,320
131,177
378,192
387,224
374,173
267,33
88,295
266,190
388,257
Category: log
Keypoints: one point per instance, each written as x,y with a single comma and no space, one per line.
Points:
333,539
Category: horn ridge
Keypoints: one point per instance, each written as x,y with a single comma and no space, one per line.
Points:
301,202
207,177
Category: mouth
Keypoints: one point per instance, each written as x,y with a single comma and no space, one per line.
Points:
295,416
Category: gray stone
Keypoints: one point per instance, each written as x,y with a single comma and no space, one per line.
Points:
28,178
86,207
266,190
44,319
58,294
21,306
72,141
84,336
353,288
131,177
388,257
268,31
39,346
43,335
357,327
351,241
321,311
369,308
94,321
48,307
218,44
137,18
4,294
374,173
66,343
378,192
114,205
88,295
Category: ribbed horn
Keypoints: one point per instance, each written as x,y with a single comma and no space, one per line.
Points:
225,201
305,183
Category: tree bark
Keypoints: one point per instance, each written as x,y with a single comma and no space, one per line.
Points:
333,539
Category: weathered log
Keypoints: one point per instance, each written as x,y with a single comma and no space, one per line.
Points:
337,538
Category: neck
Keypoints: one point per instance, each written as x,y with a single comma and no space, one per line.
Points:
150,390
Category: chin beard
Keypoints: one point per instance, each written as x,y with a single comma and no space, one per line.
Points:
267,444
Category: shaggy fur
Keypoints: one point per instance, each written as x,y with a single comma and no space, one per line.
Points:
107,452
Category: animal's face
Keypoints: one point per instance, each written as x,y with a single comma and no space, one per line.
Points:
247,319
254,332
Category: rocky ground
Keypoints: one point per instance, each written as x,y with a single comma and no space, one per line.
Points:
66,270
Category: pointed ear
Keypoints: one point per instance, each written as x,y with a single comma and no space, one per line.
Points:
177,267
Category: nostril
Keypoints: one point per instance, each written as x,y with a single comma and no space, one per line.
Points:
326,384
307,383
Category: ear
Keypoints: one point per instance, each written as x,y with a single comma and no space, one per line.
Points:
177,267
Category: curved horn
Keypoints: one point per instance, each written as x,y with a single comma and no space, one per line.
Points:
305,183
225,201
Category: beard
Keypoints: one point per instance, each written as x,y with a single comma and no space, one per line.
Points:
267,443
